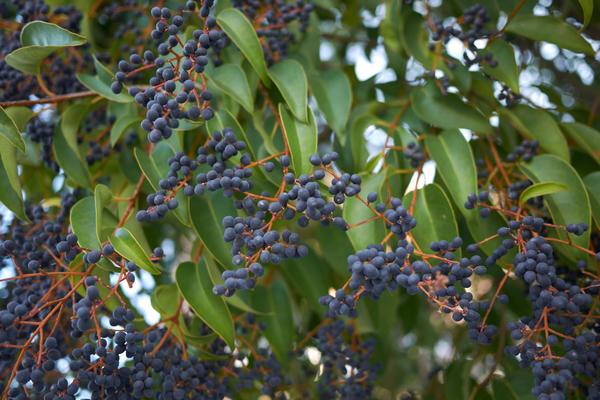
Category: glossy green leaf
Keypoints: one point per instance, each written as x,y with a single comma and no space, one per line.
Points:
70,121
395,158
10,194
39,39
20,115
165,299
541,189
191,329
333,94
93,83
10,131
506,71
123,123
102,196
231,79
588,10
242,34
302,139
128,246
280,323
290,79
101,82
502,390
592,185
195,286
566,207
456,378
546,28
300,276
539,125
586,137
446,111
436,220
69,160
148,168
207,213
455,164
355,211
83,223
358,142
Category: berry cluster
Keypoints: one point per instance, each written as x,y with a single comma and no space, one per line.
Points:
342,360
526,151
166,103
468,28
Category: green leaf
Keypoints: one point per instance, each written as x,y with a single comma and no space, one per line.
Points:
358,142
192,327
588,10
541,189
69,123
93,83
446,111
128,246
20,115
302,139
457,380
355,211
148,168
435,217
242,34
10,131
539,125
290,79
280,323
506,71
123,123
546,28
300,276
70,160
333,94
569,206
83,223
585,136
195,286
207,213
101,82
165,299
592,185
502,390
10,195
102,196
455,164
40,39
231,79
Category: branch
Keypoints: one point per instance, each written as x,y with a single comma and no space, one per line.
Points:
46,100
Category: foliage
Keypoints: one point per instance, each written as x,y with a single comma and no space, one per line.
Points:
211,200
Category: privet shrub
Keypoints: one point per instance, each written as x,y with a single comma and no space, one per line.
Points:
225,199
